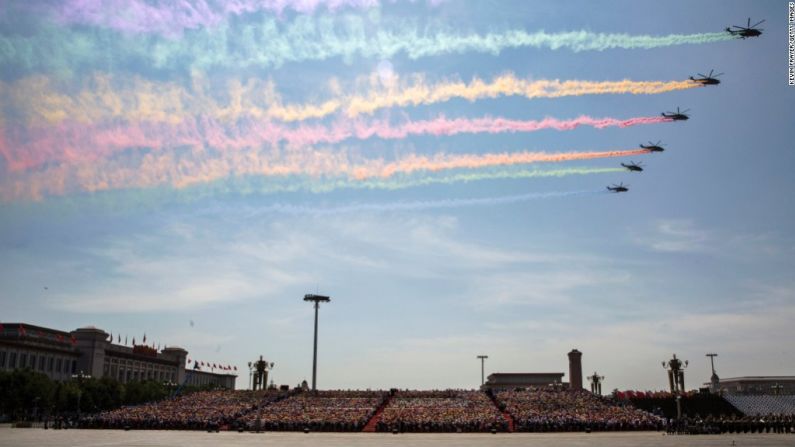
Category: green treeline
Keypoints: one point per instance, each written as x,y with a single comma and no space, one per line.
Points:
25,394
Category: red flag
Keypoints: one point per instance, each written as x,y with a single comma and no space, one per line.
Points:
1,327
21,330
74,340
59,337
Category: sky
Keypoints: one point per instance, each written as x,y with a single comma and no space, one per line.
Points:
438,168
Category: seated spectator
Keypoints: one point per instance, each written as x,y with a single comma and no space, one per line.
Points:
551,409
441,411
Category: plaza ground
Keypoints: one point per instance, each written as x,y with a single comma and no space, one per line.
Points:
101,438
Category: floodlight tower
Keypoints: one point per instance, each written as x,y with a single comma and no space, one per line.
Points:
714,380
317,299
482,368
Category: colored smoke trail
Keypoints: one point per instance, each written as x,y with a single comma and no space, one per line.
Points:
170,18
271,42
263,185
73,142
197,166
38,99
416,205
506,85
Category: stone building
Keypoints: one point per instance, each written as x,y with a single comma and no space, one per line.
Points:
89,351
756,385
510,381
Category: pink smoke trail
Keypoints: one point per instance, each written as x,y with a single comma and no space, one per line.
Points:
171,17
74,142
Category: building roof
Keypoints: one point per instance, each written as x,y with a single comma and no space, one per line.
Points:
759,379
528,374
13,326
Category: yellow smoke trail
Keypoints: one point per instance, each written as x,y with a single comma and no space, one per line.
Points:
200,166
103,97
506,85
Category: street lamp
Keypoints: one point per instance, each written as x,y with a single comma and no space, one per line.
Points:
714,380
270,368
79,376
596,383
482,368
317,299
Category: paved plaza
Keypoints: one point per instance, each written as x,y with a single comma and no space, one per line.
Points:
101,438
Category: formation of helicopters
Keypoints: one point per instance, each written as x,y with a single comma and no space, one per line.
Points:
742,32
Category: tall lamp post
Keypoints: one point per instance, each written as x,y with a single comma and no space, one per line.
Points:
79,377
482,369
317,299
714,380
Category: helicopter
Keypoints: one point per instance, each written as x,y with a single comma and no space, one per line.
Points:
678,116
618,188
746,31
632,166
653,147
708,79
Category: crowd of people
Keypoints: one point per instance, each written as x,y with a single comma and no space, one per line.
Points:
317,411
670,406
200,410
782,424
554,409
543,409
440,411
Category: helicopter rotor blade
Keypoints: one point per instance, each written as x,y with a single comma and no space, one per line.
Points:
719,74
711,70
756,24
703,76
749,22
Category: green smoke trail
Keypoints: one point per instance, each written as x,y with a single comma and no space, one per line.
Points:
250,185
129,202
269,42
449,179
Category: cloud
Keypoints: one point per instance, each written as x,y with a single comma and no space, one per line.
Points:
675,236
429,296
553,286
175,270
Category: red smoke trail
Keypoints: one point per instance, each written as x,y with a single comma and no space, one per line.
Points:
74,142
